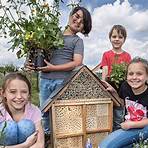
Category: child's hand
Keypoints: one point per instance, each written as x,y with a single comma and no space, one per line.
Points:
31,139
47,68
108,87
29,66
127,125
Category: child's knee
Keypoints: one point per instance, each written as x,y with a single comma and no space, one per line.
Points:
25,129
9,134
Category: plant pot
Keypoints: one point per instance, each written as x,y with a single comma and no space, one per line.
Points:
37,56
39,59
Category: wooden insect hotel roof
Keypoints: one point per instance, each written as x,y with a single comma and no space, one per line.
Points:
83,84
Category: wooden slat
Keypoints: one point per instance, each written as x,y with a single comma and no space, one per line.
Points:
98,130
53,142
84,123
110,119
82,101
61,136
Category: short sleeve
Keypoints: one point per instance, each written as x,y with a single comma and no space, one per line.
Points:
104,60
79,47
37,115
2,113
32,112
124,90
128,57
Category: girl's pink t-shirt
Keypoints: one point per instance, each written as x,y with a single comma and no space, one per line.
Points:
32,113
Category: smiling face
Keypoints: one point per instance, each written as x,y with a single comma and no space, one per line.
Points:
76,22
16,94
137,77
117,40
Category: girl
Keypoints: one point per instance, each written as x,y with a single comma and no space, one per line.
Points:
20,120
64,60
135,93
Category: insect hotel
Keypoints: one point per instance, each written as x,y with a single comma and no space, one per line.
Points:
81,108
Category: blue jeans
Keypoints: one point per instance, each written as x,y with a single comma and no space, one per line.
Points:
16,132
124,138
118,117
47,86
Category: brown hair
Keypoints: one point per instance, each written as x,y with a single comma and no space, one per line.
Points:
86,19
119,29
140,60
15,75
8,78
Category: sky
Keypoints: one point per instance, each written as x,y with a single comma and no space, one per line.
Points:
132,14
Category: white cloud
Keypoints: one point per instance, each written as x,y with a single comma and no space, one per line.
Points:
104,17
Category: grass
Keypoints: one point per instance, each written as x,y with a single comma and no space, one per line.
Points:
35,89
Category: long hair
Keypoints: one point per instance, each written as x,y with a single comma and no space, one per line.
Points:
8,78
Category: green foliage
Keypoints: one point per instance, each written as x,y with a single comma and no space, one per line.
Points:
7,68
34,88
118,73
2,133
74,3
40,29
141,142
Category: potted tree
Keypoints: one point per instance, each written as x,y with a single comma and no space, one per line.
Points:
33,26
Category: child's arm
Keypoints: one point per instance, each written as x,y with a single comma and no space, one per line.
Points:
36,140
40,137
28,143
134,124
77,61
96,68
104,72
109,87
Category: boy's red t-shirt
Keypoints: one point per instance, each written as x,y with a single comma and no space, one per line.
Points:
109,57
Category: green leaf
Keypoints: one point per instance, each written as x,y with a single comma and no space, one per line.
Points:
43,24
118,73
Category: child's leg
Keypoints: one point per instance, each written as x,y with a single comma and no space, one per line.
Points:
47,86
45,91
123,138
25,129
118,117
9,135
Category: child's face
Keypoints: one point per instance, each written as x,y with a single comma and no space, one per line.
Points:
76,22
137,76
16,94
117,40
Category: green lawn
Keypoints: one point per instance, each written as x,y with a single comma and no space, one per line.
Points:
35,89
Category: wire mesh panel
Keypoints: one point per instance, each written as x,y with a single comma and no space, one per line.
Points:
68,119
97,116
75,120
